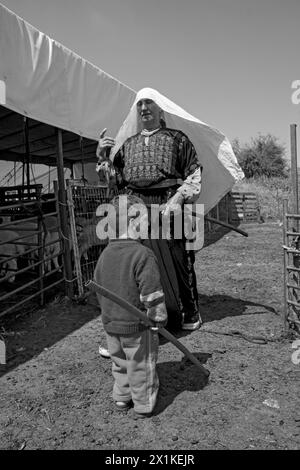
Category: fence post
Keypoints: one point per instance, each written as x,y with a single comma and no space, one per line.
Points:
27,146
294,173
285,262
41,252
218,212
62,204
76,253
244,207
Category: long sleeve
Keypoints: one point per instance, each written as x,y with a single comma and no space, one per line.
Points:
151,293
191,186
190,169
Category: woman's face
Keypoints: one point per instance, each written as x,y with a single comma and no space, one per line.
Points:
149,113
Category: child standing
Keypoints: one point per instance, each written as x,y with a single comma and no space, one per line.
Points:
129,269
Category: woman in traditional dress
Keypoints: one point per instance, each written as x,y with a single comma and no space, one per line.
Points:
156,160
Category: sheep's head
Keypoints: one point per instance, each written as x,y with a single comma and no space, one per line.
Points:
7,268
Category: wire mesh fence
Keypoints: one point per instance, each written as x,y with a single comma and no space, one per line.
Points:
83,200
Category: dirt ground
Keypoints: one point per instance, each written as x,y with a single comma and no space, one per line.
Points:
55,391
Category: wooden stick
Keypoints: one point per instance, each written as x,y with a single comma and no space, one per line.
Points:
224,224
93,286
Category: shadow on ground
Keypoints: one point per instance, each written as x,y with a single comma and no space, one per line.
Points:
27,335
217,307
176,377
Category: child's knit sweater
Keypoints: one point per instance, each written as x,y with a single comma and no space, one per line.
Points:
130,270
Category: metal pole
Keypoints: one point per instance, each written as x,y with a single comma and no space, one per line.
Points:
41,252
82,158
76,252
62,202
285,262
27,146
294,169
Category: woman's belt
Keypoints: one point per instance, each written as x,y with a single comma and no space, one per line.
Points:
162,184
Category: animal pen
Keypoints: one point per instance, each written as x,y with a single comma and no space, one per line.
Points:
291,246
34,233
53,106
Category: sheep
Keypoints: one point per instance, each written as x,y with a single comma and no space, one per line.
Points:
87,236
52,251
29,238
9,249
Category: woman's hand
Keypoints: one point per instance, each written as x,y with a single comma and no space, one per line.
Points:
104,144
173,204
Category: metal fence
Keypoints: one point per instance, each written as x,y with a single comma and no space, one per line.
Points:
291,255
83,200
30,250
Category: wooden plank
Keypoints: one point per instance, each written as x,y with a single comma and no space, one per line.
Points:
242,193
244,199
243,202
246,195
248,201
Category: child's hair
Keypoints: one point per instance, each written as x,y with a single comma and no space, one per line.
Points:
131,200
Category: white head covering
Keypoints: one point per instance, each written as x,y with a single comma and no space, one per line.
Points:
220,167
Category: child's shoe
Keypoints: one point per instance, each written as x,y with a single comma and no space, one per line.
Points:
104,352
134,415
123,405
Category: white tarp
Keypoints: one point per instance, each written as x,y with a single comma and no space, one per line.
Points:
48,82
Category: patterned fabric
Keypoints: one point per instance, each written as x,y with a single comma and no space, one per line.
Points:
169,154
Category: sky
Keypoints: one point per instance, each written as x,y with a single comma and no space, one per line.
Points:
230,63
